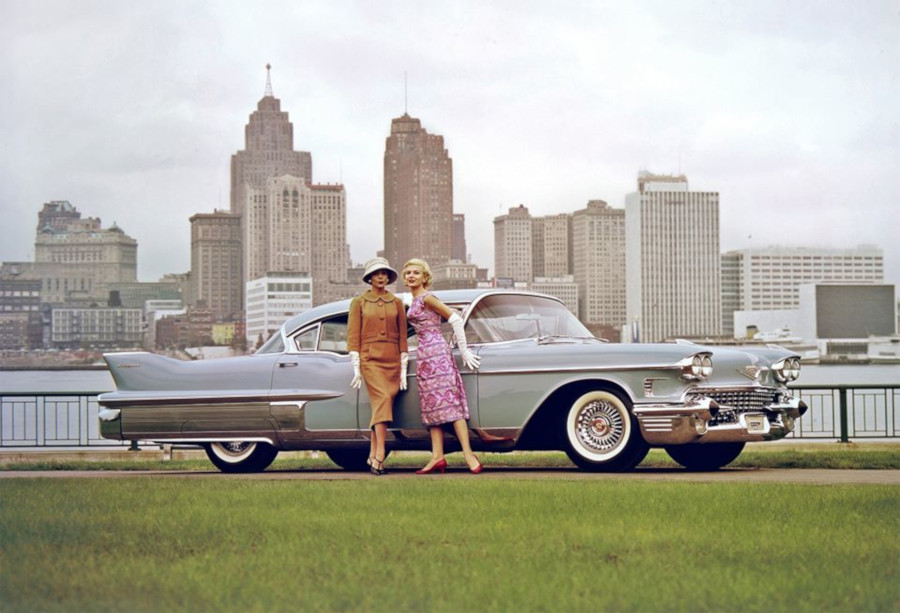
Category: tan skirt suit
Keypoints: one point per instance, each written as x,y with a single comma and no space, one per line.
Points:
376,328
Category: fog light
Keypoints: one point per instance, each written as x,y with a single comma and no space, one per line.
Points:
700,425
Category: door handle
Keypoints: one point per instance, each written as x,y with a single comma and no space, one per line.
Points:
287,364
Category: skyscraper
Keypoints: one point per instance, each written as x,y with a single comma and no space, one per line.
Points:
216,263
418,195
672,259
598,239
288,223
513,245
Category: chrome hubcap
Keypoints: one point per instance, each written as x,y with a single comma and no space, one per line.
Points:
235,448
599,426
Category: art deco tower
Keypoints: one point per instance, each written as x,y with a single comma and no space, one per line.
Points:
418,195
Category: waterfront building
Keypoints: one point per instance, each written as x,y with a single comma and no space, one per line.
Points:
20,313
76,258
99,327
769,278
598,264
136,294
274,298
552,245
216,264
418,195
513,245
673,261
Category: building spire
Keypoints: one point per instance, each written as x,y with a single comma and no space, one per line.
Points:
268,93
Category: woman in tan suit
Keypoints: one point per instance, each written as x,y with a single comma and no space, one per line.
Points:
376,340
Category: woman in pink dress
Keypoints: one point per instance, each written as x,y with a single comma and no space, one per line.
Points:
441,393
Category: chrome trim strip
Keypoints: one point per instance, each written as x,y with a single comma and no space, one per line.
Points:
586,369
119,400
218,439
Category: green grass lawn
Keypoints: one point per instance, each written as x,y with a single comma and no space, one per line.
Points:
432,544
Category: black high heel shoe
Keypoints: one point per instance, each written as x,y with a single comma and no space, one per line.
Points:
377,467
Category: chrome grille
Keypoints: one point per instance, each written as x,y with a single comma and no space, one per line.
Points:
734,402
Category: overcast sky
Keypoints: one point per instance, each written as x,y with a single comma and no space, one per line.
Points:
131,110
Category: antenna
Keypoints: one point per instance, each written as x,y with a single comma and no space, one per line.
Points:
405,93
268,93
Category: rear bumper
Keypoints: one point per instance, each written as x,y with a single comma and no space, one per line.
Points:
705,421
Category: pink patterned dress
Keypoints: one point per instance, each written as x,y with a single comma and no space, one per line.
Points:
441,393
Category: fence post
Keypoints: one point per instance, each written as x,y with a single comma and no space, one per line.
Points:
845,435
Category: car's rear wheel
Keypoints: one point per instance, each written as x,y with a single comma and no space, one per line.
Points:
710,456
240,456
351,459
601,434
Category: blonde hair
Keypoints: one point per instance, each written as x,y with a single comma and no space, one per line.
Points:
426,270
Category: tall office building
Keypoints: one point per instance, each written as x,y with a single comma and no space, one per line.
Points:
598,256
672,259
418,195
288,223
76,258
769,278
268,150
216,264
552,245
459,238
513,245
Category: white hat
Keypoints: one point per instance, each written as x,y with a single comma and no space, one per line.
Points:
373,265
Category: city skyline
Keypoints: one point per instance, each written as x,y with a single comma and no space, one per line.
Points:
790,119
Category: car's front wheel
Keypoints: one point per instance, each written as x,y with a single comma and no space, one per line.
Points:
240,456
601,434
711,456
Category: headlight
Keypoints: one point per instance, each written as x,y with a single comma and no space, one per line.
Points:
786,370
696,367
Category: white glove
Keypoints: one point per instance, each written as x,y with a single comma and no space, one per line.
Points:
357,375
404,362
469,359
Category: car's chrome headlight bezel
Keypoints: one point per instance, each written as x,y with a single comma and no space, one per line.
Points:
697,367
787,369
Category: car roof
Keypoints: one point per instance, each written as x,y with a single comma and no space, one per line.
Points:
450,296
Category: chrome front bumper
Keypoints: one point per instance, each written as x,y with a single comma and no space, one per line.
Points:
678,424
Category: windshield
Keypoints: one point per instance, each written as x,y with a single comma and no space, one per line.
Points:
515,317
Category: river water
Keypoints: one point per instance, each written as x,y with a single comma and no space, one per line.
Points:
101,381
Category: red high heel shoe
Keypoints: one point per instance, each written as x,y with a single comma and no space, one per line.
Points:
440,465
478,468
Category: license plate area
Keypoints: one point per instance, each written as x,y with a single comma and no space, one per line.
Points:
755,423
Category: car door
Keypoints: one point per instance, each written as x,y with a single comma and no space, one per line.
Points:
316,368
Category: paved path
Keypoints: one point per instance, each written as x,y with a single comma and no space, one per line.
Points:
727,475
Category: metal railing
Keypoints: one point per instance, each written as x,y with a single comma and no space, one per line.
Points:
849,411
63,419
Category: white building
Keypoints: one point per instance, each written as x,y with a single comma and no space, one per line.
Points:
598,263
272,299
672,261
769,278
563,288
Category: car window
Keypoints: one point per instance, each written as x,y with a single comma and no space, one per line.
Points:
515,317
273,345
334,335
306,340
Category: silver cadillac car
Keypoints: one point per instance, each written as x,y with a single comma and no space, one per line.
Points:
544,384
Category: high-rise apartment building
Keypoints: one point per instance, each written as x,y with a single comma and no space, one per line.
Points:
598,257
769,278
418,195
76,258
673,266
216,264
513,245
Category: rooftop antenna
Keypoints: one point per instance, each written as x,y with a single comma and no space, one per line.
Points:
405,94
268,93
